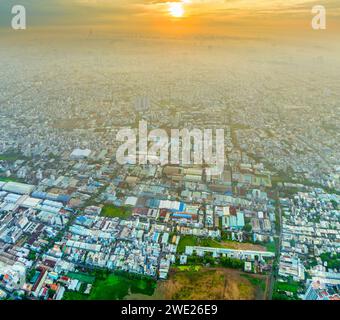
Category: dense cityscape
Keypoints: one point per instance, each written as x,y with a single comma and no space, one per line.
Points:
75,224
68,209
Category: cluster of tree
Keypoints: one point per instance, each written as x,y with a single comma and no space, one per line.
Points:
333,261
32,256
231,263
30,274
208,259
335,204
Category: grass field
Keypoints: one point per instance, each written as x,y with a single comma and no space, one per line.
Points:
113,287
255,281
112,211
285,286
11,157
83,277
74,296
271,246
186,241
117,287
189,268
6,179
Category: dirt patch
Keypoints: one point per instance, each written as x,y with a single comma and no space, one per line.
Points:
242,246
209,284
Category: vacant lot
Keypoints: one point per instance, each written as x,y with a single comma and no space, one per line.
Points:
242,246
112,211
212,284
206,242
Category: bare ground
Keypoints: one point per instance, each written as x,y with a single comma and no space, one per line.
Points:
207,284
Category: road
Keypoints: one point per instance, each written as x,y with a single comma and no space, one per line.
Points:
278,252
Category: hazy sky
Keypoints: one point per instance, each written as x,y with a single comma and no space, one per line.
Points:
199,16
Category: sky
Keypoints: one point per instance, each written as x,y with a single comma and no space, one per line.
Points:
213,17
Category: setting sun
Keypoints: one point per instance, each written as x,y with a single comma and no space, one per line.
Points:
176,9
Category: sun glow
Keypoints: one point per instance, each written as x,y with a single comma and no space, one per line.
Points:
176,9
